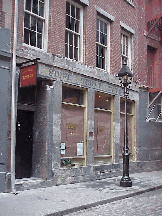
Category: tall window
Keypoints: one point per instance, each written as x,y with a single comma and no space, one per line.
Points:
101,43
73,121
34,20
130,122
103,117
73,31
126,48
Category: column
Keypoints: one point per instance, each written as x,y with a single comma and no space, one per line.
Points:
90,126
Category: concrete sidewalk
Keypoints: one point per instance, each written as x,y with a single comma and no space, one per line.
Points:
64,199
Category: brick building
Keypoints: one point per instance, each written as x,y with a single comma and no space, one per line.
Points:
150,75
70,123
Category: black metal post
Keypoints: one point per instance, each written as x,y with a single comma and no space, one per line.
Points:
125,180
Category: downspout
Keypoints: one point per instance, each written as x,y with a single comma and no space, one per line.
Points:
13,105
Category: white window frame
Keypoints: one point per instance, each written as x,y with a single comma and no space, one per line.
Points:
129,57
80,52
107,53
45,26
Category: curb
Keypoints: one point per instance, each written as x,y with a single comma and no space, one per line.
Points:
102,202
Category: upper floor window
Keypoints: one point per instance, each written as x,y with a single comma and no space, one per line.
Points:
126,48
73,31
34,21
102,42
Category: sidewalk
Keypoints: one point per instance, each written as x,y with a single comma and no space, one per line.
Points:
63,199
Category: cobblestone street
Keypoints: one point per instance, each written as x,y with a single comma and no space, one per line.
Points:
149,203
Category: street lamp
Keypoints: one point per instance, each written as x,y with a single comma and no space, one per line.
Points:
125,76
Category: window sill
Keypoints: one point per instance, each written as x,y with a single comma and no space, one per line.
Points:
73,157
103,70
130,114
130,3
100,109
34,48
66,103
102,156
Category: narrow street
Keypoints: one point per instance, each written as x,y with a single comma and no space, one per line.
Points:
149,203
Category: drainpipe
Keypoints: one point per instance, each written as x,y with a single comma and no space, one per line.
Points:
13,102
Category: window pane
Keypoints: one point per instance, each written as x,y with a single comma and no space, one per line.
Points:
96,61
28,5
73,11
101,26
66,50
102,128
77,26
97,36
75,40
72,23
72,128
101,38
66,37
102,101
70,52
35,6
99,62
105,28
78,13
97,24
67,22
27,20
72,95
33,23
76,53
105,36
122,106
32,38
99,50
70,38
67,8
103,63
40,25
39,41
41,9
26,36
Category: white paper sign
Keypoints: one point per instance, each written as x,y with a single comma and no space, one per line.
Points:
79,149
62,152
62,146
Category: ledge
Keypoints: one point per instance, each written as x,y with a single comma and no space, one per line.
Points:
64,63
85,2
4,53
130,3
104,13
127,27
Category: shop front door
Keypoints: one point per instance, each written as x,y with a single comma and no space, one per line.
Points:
24,144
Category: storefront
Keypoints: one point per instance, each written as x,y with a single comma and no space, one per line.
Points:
68,121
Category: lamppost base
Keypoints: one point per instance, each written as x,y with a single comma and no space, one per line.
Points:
126,182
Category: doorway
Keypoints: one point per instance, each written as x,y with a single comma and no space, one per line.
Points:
24,144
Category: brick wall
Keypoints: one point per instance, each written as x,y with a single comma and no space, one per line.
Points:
122,11
147,10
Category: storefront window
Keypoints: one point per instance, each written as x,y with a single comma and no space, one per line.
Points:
130,115
72,124
72,95
103,127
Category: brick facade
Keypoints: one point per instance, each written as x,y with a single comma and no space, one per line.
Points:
55,70
56,32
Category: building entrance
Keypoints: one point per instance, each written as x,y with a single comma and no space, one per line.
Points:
24,144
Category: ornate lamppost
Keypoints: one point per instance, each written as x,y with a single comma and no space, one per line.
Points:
125,76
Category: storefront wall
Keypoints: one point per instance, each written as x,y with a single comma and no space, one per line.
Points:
74,141
85,137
